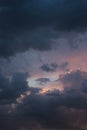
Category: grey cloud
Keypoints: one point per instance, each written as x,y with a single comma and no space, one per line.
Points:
11,90
53,66
18,17
74,80
43,80
66,14
51,110
34,91
49,68
54,110
63,66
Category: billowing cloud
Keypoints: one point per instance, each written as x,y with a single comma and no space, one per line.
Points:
54,110
48,40
57,110
74,80
21,20
17,15
10,90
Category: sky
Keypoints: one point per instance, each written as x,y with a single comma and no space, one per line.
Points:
43,64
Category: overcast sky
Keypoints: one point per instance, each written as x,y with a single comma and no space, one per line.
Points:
43,64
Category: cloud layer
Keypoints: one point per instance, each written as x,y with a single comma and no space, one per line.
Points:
28,14
21,20
54,110
54,97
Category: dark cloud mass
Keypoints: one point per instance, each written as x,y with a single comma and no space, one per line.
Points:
31,13
49,68
54,110
53,67
55,33
11,90
20,18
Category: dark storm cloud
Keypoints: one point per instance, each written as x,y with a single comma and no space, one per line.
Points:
30,13
13,43
11,90
34,91
54,110
19,17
